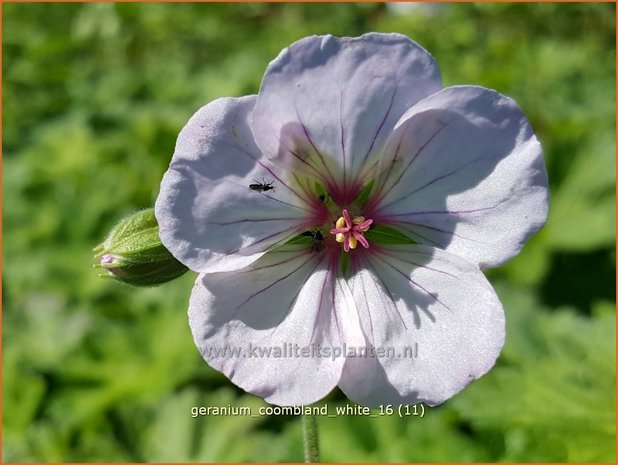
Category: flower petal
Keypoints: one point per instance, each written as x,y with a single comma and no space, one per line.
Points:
276,312
327,104
437,312
464,171
208,216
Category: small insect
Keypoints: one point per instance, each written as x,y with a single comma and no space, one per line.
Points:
317,243
324,198
262,186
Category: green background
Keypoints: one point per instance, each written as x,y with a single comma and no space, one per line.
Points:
94,96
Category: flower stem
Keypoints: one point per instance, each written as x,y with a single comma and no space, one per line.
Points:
310,439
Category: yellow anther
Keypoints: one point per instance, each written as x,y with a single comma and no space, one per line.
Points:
358,220
352,241
340,237
340,223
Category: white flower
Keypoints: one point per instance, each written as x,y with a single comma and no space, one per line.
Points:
352,141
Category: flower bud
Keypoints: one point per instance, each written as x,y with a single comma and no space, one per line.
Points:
133,253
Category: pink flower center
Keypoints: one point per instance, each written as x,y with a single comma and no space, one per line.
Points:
350,231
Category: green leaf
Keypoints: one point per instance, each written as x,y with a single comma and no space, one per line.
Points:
553,394
583,211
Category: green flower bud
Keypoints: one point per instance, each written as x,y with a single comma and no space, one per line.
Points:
133,253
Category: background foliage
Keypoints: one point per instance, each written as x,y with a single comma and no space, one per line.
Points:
93,98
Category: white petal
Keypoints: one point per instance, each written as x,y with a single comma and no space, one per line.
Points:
208,216
283,304
327,104
464,171
440,316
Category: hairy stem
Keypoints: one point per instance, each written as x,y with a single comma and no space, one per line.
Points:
310,439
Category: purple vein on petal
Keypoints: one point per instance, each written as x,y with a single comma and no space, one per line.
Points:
443,231
386,174
420,252
318,153
342,137
335,283
373,337
375,137
294,299
287,204
300,253
260,220
283,278
262,240
425,238
412,160
390,296
320,304
414,283
305,188
419,265
301,159
433,181
288,248
447,212
422,148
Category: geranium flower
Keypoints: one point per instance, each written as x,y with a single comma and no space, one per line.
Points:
375,199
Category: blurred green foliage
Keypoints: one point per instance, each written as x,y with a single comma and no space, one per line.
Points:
94,96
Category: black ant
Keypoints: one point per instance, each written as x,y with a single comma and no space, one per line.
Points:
262,186
317,244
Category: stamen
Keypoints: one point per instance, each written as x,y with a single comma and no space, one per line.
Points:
350,231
